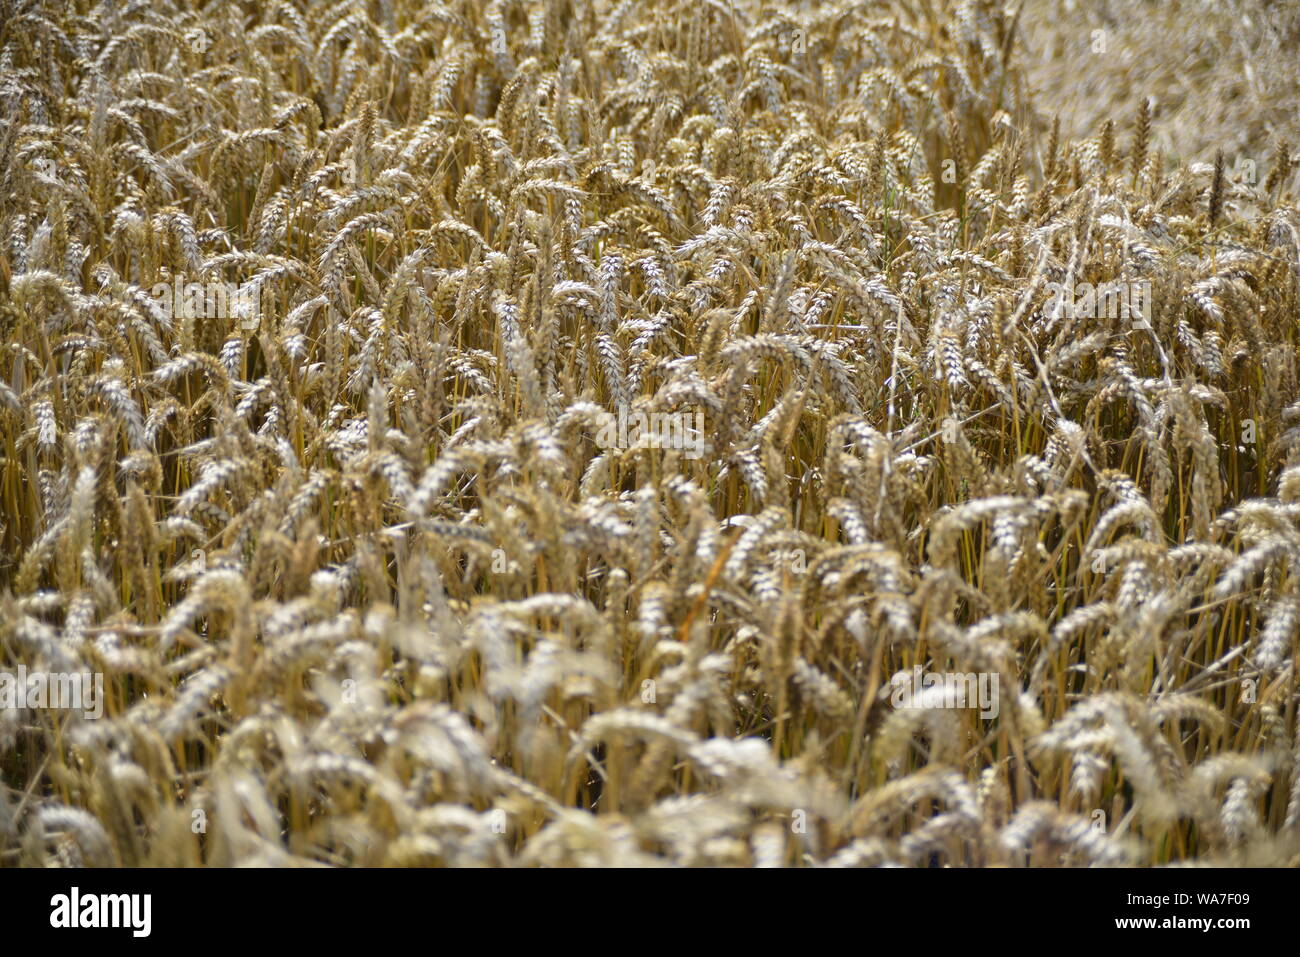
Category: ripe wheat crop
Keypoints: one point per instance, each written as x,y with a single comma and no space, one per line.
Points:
554,432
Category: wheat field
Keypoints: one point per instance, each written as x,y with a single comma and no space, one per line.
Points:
570,433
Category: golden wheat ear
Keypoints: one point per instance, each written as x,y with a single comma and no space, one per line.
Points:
557,434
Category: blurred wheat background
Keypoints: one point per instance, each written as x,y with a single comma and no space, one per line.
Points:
364,585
